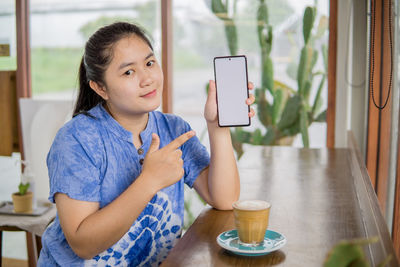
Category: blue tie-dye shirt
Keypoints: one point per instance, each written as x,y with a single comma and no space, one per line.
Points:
93,159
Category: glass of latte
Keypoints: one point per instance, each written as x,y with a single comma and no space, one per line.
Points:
251,221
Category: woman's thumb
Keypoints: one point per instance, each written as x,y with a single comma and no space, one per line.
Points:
155,143
211,89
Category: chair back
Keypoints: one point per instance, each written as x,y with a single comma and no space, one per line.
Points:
40,121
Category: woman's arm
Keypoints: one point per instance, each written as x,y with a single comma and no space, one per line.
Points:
219,184
90,230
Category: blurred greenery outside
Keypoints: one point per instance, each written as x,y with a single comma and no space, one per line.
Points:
56,69
8,63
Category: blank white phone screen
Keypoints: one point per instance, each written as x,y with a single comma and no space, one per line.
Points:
232,92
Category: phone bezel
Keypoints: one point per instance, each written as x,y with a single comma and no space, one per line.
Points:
216,87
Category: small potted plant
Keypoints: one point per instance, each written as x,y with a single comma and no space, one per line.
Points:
22,200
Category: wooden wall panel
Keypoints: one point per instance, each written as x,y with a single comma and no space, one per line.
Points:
374,84
379,119
8,114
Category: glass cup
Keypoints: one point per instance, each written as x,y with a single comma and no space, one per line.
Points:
251,221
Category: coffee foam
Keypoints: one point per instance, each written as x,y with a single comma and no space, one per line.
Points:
251,205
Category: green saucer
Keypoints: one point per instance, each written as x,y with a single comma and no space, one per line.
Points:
229,240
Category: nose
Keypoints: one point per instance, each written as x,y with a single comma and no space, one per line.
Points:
146,78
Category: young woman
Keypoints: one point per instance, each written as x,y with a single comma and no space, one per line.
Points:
118,168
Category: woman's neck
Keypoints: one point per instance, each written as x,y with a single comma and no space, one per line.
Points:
134,123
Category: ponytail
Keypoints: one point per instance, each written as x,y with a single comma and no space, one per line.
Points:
87,97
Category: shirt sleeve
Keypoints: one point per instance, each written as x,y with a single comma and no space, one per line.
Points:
72,168
195,158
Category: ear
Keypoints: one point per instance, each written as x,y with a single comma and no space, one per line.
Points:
99,89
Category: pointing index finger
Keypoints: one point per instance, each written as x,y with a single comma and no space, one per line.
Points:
180,140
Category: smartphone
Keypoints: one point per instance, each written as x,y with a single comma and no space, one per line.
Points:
231,83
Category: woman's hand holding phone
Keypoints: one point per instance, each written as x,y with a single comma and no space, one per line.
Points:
211,110
227,105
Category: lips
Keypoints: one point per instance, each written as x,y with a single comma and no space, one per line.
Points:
150,94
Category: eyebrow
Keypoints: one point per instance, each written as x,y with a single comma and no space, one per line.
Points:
125,64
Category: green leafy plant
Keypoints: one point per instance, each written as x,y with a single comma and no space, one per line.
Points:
23,188
26,176
350,253
290,111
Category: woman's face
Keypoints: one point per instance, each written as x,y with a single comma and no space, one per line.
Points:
133,79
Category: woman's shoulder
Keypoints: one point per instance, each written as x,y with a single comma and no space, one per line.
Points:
170,125
170,119
82,128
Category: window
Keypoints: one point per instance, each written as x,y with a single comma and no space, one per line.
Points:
199,35
8,55
57,47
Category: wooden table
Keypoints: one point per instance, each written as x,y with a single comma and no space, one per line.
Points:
34,226
318,198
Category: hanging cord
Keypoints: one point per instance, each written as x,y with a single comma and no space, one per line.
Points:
346,66
372,48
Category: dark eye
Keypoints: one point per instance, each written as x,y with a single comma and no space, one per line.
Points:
128,72
150,63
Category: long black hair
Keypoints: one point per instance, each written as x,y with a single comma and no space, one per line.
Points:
96,58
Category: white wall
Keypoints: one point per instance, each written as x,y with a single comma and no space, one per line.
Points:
358,78
352,73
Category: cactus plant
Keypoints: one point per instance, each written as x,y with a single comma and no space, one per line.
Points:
221,11
290,111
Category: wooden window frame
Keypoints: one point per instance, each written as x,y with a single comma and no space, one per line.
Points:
379,125
166,51
332,54
23,72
